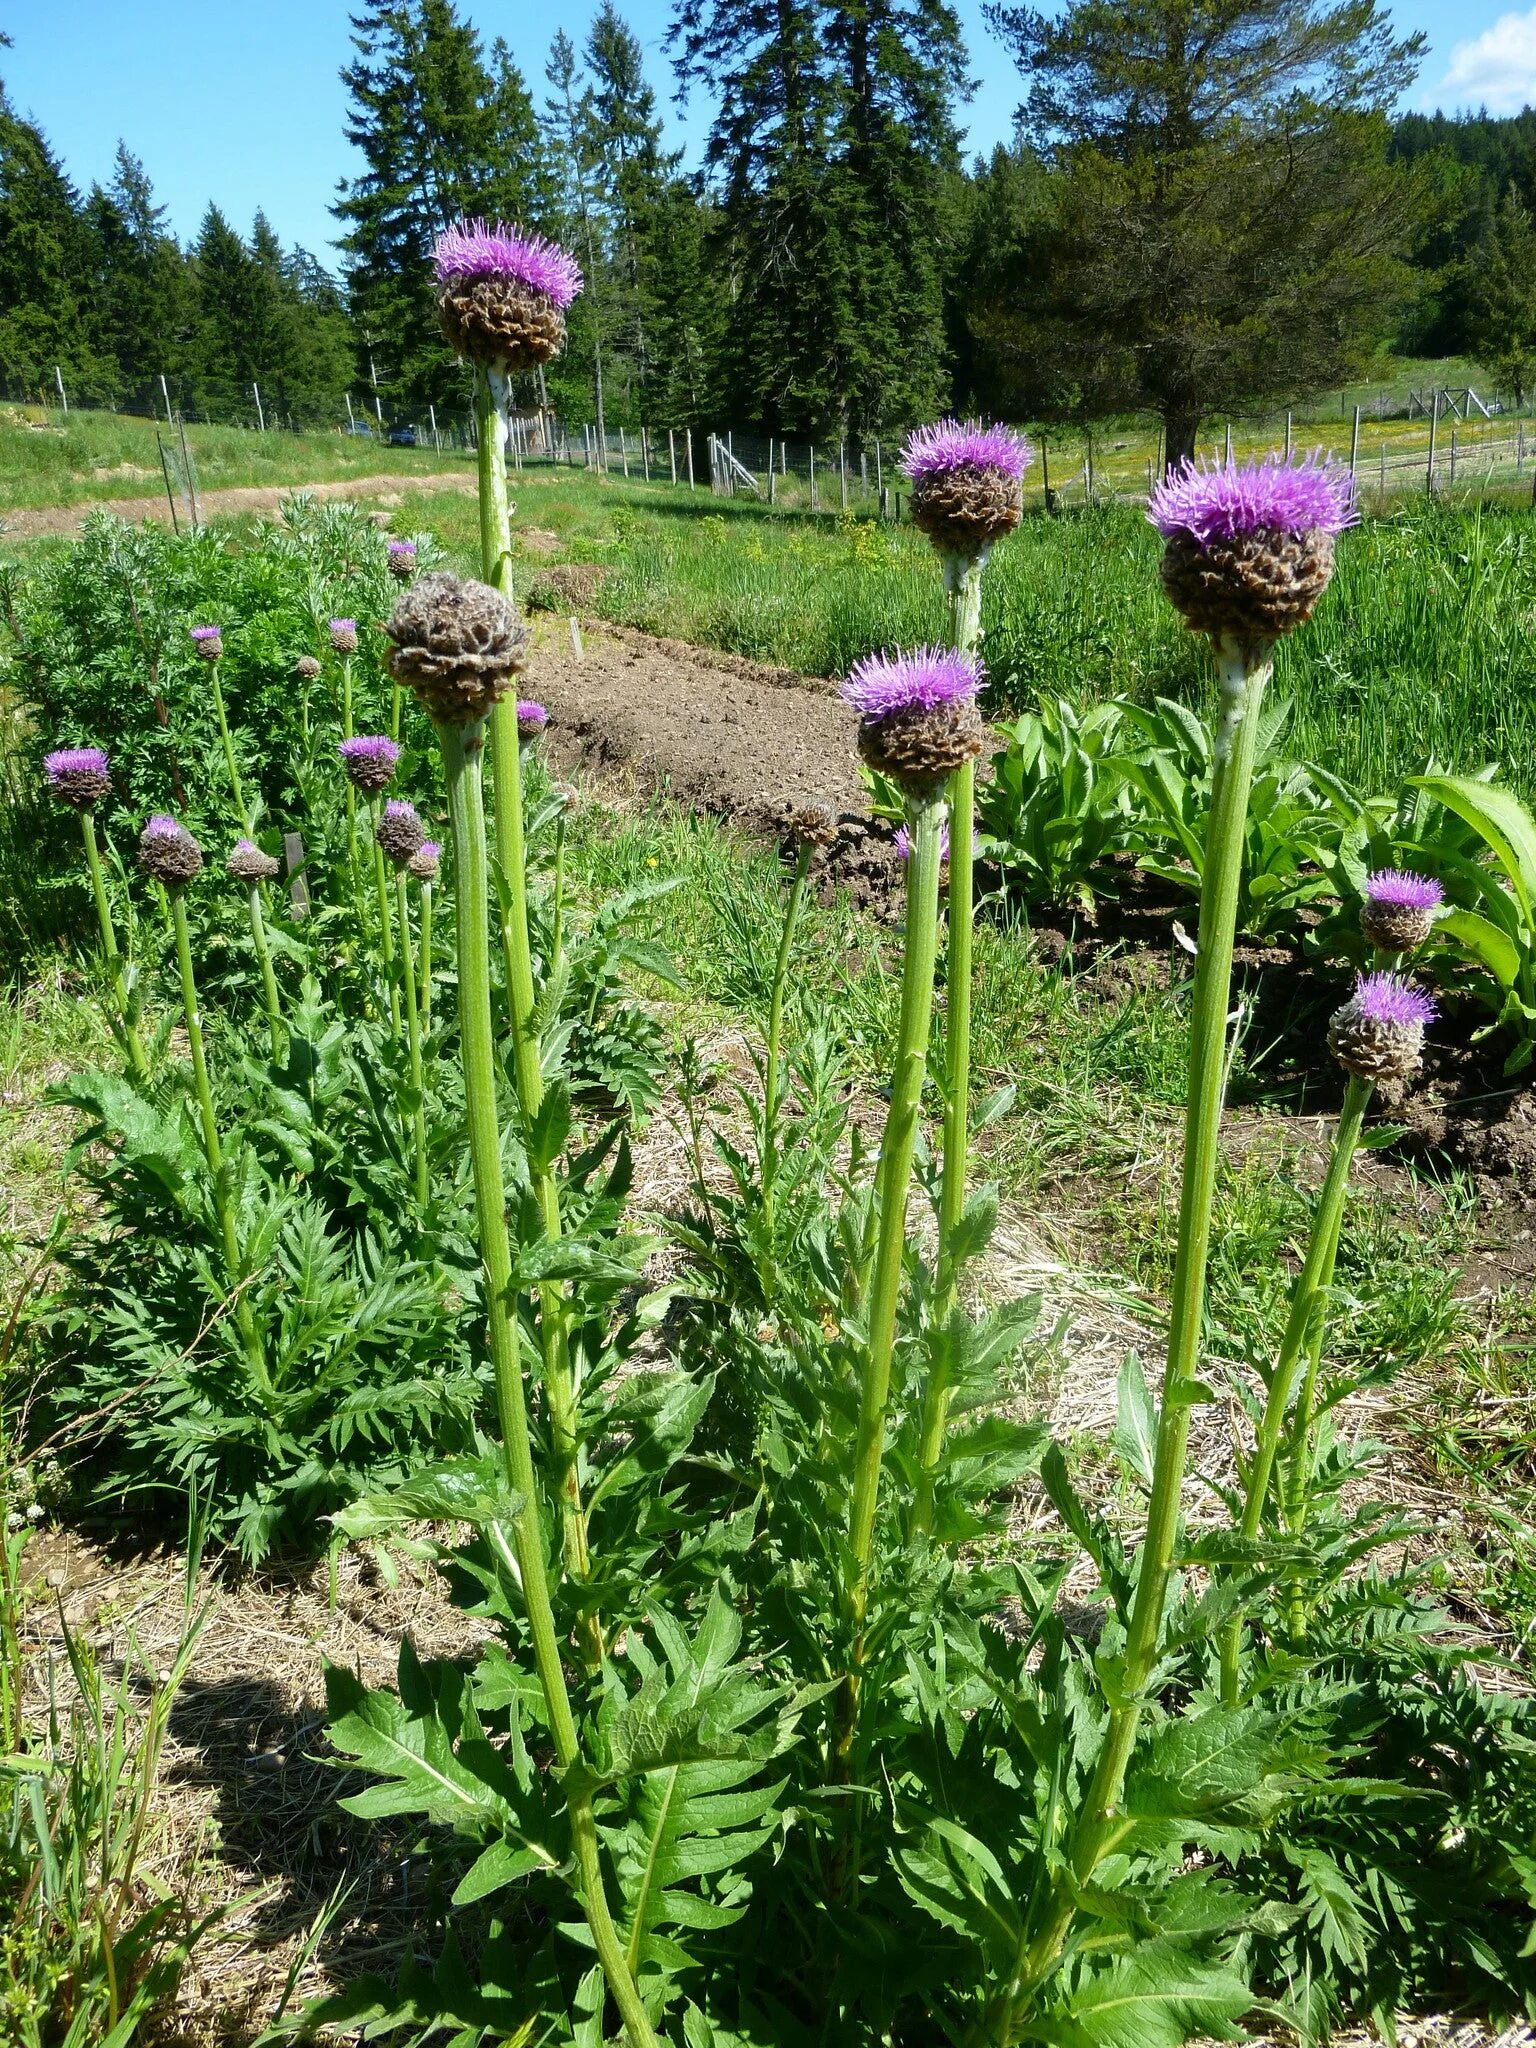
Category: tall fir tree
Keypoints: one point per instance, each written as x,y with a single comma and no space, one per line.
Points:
581,371
1499,282
49,318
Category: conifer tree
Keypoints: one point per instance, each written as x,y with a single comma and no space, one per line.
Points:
1226,230
47,315
1500,287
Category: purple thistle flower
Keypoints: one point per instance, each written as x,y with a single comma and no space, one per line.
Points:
65,761
1404,891
477,248
201,633
885,685
400,547
430,850
531,718
370,746
1207,500
1387,998
956,444
162,827
399,807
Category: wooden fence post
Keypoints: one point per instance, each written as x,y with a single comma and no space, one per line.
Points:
1354,444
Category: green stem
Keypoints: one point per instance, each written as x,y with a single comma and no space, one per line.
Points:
245,1321
1243,674
462,749
1303,1331
386,932
894,1178
772,1067
413,1025
517,958
241,816
395,695
131,1040
962,584
268,978
557,909
426,956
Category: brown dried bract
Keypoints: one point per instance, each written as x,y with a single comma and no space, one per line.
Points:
81,788
400,834
964,510
457,644
922,749
1247,586
499,322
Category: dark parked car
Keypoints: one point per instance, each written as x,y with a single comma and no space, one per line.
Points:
402,435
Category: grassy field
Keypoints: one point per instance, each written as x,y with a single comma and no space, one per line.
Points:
48,460
1422,648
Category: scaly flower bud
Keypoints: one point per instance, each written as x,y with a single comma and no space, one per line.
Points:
307,669
400,831
343,636
425,861
247,862
370,761
457,644
401,556
502,294
531,718
168,852
967,484
208,642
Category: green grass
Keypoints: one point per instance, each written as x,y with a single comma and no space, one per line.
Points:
46,460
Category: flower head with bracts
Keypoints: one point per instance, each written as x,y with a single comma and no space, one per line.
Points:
1248,547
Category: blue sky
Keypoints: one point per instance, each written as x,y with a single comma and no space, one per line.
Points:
242,104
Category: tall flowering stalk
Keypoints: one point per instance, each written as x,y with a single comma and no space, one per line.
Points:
967,494
369,761
918,724
342,634
811,826
399,837
170,855
458,645
81,777
502,299
1248,551
1378,1035
208,645
248,864
400,557
423,865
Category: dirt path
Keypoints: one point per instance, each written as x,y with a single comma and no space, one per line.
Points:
713,731
28,522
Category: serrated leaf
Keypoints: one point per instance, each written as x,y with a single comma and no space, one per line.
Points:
1135,1437
473,1490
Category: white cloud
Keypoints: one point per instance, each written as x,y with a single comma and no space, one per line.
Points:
1496,69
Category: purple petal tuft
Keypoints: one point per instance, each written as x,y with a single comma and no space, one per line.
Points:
1392,999
964,444
1215,500
884,684
477,248
75,761
1403,890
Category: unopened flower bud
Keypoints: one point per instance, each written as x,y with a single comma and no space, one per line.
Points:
307,669
168,852
401,556
400,831
343,636
425,861
247,862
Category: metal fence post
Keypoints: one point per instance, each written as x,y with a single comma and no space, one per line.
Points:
770,469
1434,426
688,438
672,453
842,470
436,437
1287,437
1354,444
813,476
58,378
261,418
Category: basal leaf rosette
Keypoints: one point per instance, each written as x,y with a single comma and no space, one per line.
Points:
1249,546
918,720
457,644
502,294
1399,911
967,484
1379,1033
